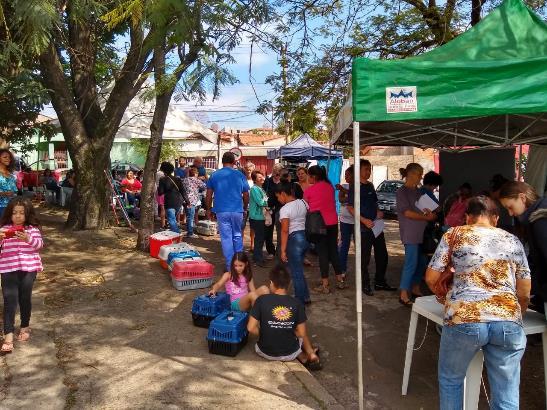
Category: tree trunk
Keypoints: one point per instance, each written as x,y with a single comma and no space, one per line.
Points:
476,9
89,133
156,134
89,207
153,154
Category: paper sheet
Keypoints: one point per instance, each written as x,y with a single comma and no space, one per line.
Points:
378,227
425,202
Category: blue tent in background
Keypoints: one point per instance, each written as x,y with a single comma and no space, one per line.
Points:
303,148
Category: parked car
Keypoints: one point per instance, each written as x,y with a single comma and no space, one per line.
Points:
386,193
119,169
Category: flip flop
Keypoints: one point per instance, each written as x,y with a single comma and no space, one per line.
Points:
406,303
23,336
312,366
7,347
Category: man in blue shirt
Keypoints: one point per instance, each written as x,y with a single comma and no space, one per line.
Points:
231,198
369,214
180,171
198,163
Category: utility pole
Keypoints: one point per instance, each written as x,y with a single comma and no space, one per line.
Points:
218,150
284,66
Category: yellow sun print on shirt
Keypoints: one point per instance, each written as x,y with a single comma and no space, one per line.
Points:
281,313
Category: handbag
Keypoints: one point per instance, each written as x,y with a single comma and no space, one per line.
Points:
315,225
267,216
444,283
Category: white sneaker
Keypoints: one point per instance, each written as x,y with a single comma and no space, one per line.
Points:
269,257
193,236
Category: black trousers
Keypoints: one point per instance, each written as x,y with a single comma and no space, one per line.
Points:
268,235
368,241
327,249
258,227
17,290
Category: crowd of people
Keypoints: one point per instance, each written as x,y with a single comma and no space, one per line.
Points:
470,249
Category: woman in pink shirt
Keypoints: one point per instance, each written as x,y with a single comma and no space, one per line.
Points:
20,240
320,197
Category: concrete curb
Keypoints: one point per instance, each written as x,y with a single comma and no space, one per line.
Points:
314,388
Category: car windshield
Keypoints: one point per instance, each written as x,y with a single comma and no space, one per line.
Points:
389,186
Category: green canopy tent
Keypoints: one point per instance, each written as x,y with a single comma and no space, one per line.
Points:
487,88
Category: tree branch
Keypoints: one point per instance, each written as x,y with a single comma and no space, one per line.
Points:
82,51
62,97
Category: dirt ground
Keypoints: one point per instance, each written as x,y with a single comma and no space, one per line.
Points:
111,332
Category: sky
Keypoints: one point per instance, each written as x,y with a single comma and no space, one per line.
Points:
235,107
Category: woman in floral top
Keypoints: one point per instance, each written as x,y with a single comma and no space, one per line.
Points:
484,306
8,188
192,186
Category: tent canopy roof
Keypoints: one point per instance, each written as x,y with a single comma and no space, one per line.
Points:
303,147
138,116
487,87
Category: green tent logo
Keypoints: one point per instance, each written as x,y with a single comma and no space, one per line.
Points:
401,99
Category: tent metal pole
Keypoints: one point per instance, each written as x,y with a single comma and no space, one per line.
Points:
506,128
328,159
357,237
519,172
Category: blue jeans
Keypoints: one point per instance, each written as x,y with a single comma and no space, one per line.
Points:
132,198
231,240
171,214
346,232
413,267
296,251
190,213
503,345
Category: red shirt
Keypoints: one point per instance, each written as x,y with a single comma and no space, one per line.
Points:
320,197
131,186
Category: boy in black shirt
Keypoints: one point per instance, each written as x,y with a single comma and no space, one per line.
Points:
279,321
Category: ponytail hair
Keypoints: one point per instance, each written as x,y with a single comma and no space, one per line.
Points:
319,173
412,167
512,189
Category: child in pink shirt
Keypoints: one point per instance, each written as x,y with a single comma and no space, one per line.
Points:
20,240
239,284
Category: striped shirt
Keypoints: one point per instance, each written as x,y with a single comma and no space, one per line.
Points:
18,255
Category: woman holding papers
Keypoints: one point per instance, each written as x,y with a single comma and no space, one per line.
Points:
412,223
372,234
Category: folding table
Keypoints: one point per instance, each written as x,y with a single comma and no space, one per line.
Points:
428,307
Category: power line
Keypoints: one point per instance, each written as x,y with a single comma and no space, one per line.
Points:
235,118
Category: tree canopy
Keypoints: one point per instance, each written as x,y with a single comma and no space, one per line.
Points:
324,36
22,95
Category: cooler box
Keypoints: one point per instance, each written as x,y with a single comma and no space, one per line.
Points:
165,250
228,333
207,228
188,254
205,308
159,239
